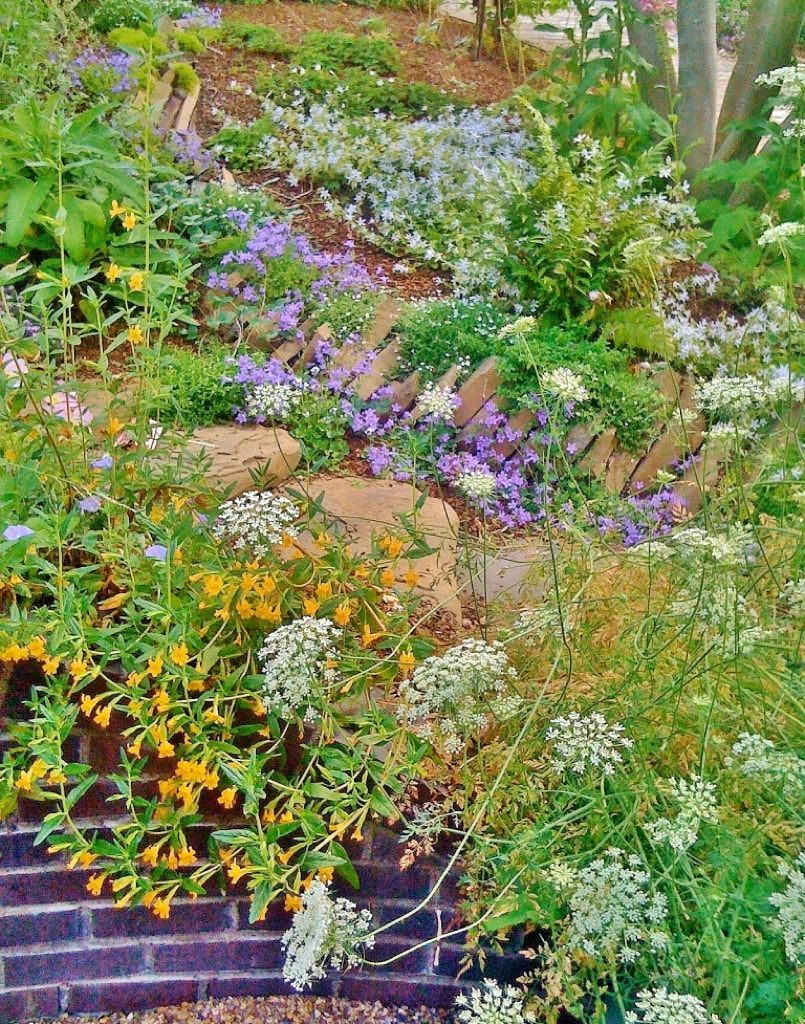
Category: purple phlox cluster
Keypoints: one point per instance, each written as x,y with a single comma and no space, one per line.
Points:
200,17
99,66
644,517
187,149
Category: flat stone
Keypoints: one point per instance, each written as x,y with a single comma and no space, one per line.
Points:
581,435
383,367
524,421
386,316
677,439
405,391
514,575
236,453
369,508
619,469
702,476
477,391
596,459
188,109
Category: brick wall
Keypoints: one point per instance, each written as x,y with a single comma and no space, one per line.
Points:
62,950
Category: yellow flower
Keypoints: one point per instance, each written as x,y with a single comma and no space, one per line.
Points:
244,609
269,816
102,717
387,578
187,856
325,874
293,903
406,662
112,273
135,334
95,884
357,835
116,210
134,748
286,818
311,605
369,637
213,585
36,647
162,908
155,665
392,545
136,281
324,590
172,860
411,578
212,780
25,782
165,749
150,855
78,668
227,798
342,614
179,655
88,703
56,777
162,701
129,220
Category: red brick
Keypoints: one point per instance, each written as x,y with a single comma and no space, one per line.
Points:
241,953
42,885
193,916
68,965
270,983
380,881
24,1003
133,994
38,925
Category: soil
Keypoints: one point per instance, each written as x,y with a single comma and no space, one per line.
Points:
445,64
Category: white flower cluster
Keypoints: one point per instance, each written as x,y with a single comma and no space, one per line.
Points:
790,904
493,1004
522,325
565,385
659,1006
298,663
697,803
580,743
439,403
255,521
737,397
449,697
789,80
757,757
612,909
274,401
325,932
732,548
477,484
781,234
717,606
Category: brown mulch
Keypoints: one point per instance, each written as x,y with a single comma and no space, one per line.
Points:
447,66
271,1010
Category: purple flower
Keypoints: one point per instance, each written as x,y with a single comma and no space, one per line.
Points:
17,532
103,462
92,503
156,551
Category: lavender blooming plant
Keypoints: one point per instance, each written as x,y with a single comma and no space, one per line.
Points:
102,72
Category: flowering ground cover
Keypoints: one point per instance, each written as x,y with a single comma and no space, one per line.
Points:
613,765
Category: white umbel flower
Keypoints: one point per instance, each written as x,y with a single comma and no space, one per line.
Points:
781,234
477,484
697,803
580,743
325,932
565,385
449,697
493,1004
521,326
255,521
613,910
757,757
439,403
790,904
659,1006
297,660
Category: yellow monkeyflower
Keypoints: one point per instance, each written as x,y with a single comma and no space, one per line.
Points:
162,908
180,655
36,647
137,281
311,605
227,798
213,585
112,273
78,668
411,578
165,749
135,334
387,578
406,661
128,220
116,210
325,874
187,857
293,903
342,614
102,717
155,665
95,884
50,666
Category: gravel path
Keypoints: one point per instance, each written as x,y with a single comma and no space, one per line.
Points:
271,1010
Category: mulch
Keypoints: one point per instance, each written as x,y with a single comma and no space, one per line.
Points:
271,1010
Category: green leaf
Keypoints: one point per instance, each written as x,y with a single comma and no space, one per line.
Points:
23,204
74,241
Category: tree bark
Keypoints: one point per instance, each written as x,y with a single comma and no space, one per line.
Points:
698,82
772,32
657,83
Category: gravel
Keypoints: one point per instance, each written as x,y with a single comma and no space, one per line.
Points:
271,1010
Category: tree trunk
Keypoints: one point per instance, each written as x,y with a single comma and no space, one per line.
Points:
772,32
657,83
698,82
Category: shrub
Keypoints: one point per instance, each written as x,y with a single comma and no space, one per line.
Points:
435,335
188,41
627,402
185,76
138,40
334,51
189,389
255,38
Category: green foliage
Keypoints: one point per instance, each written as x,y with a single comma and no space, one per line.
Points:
355,92
639,330
620,399
347,314
188,388
435,335
138,40
318,423
185,76
31,32
188,41
335,51
58,174
262,39
105,15
591,228
240,143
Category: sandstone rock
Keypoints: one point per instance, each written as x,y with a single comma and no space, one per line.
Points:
477,391
523,421
382,368
364,508
188,109
386,316
405,391
596,459
514,575
237,452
